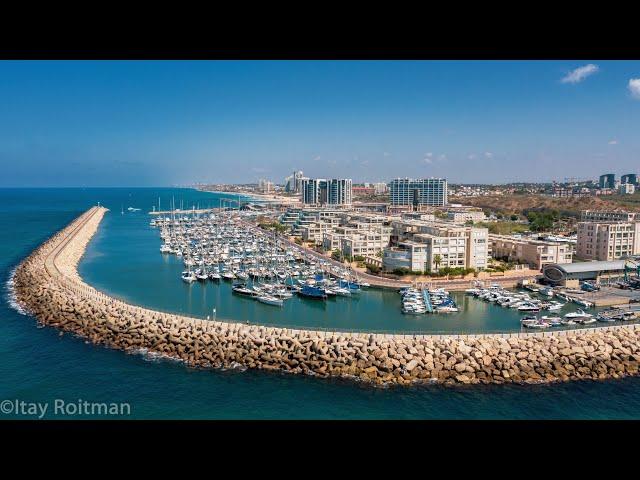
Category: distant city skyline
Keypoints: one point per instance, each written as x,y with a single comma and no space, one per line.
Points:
137,123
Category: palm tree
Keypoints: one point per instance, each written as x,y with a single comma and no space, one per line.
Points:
437,259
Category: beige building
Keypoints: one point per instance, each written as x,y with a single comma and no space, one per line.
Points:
607,240
430,246
466,216
535,253
357,238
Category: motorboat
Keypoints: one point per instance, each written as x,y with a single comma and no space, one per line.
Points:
551,320
202,276
555,306
583,303
188,277
529,307
539,324
578,314
587,321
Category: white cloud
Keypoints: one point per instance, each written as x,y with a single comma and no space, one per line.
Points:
316,158
613,142
580,73
428,154
634,87
471,156
488,154
442,157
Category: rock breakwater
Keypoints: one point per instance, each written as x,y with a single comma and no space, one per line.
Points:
48,286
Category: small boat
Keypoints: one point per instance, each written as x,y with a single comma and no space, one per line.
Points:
343,292
551,320
554,306
587,321
215,276
188,277
529,307
536,325
269,300
583,303
578,314
228,275
241,289
447,308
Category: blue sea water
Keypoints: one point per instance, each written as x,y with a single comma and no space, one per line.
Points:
39,365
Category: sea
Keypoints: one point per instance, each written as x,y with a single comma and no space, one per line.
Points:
41,366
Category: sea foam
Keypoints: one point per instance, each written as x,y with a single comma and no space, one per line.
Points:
12,298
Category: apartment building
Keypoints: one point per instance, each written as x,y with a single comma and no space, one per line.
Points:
357,238
318,191
427,191
608,240
463,216
535,253
436,245
314,232
298,218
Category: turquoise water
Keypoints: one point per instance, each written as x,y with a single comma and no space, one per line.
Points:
39,365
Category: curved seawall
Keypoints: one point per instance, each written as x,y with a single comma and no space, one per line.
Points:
48,286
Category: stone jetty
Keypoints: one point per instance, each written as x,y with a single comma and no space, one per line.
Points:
48,286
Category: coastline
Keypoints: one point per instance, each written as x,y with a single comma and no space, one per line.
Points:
47,285
257,196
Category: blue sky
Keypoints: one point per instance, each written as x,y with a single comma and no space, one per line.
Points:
130,123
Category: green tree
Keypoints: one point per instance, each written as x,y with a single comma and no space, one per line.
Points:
437,259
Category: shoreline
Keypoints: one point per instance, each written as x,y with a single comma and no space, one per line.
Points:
48,286
257,196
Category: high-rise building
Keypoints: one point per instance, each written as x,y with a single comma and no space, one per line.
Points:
631,178
293,183
318,191
608,180
427,191
265,186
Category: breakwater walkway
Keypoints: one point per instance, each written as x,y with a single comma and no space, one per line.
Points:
47,285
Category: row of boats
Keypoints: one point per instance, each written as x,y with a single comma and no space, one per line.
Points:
577,317
523,301
420,301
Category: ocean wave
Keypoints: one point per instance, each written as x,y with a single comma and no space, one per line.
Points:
12,298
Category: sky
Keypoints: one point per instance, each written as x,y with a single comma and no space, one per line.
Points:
162,123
